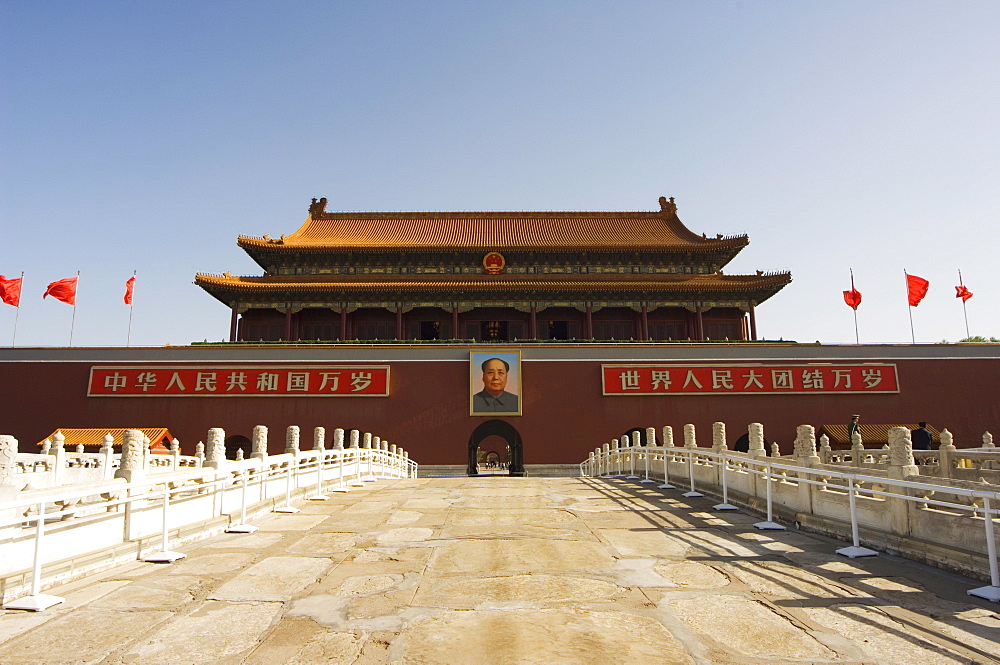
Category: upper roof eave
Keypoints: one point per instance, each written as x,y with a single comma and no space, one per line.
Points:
494,230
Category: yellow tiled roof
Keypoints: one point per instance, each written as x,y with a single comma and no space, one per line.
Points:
94,437
871,433
578,231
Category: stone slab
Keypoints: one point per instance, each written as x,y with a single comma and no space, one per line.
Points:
737,626
83,637
526,556
216,630
277,578
538,637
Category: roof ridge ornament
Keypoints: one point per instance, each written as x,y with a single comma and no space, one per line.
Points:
317,207
668,206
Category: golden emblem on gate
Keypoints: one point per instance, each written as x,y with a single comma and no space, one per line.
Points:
494,263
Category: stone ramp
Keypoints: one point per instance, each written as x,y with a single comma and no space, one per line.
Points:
511,570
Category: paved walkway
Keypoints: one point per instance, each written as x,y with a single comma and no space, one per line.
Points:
511,570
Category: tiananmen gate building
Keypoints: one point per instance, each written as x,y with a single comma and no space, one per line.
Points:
529,337
493,276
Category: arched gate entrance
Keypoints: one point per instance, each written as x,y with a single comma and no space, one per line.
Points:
505,431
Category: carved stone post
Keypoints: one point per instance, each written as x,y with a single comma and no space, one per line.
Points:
319,438
107,453
259,444
46,447
805,445
901,465
355,437
199,453
8,454
59,463
175,454
689,436
338,439
804,448
8,484
775,450
824,449
215,449
718,437
755,432
946,453
366,442
987,440
857,449
668,436
131,468
292,439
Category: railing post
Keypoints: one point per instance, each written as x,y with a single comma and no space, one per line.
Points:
855,550
690,444
370,444
319,445
291,449
725,505
165,555
770,524
338,447
37,601
991,592
633,444
242,526
668,442
356,451
650,443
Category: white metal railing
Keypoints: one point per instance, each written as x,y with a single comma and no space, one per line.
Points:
69,523
723,469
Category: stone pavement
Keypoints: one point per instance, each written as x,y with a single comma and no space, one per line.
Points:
511,570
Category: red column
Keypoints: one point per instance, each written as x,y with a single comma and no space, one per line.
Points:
645,324
288,324
590,322
753,324
233,324
399,322
534,323
454,323
343,323
700,323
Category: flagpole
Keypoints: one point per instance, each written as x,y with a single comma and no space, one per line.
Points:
909,308
964,312
17,314
857,340
73,320
131,306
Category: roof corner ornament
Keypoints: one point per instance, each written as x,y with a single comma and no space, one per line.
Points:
317,207
668,206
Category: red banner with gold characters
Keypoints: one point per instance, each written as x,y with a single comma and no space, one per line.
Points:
748,379
240,381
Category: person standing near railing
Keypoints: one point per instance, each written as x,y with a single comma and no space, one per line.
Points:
853,427
921,437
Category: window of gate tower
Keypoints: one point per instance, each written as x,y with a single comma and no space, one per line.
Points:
494,331
430,330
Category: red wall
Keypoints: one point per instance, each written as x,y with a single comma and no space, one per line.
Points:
565,414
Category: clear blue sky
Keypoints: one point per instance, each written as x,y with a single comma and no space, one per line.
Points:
147,135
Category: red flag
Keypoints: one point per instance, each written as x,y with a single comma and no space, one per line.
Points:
916,289
63,289
852,298
963,293
129,286
10,290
